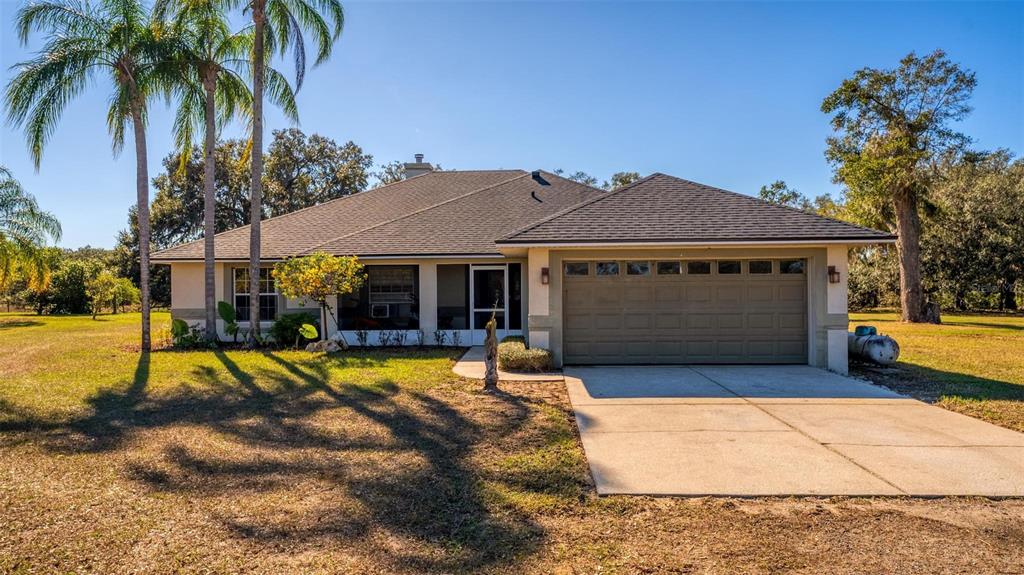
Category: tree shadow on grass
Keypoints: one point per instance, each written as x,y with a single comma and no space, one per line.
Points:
11,324
988,325
930,384
405,466
395,460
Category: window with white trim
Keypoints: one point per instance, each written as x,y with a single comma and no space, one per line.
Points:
268,294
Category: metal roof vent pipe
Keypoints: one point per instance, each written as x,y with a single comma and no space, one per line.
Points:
417,168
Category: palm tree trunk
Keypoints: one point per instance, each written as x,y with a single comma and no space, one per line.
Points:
256,186
209,206
908,246
142,197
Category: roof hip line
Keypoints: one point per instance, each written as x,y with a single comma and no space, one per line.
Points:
573,208
410,214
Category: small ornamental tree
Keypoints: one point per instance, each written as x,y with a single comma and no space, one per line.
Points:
318,277
124,293
100,290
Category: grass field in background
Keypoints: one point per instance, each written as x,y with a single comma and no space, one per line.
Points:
973,364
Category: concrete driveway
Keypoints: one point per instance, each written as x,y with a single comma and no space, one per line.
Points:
780,430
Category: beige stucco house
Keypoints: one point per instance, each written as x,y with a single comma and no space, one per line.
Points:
661,271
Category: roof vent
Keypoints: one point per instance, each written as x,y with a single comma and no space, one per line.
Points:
539,178
417,168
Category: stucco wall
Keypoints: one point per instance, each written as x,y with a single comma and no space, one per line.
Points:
187,292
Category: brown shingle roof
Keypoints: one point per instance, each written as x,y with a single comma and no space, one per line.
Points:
661,208
469,224
453,212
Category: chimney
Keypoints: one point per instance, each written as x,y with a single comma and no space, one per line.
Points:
417,168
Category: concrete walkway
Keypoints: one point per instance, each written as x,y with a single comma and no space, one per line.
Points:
780,430
471,365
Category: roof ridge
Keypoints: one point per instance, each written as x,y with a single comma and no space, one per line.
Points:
563,178
413,213
766,202
331,201
604,195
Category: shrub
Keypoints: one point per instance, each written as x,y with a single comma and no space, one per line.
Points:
227,313
513,355
440,337
287,328
185,336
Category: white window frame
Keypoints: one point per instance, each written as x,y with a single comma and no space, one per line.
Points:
236,293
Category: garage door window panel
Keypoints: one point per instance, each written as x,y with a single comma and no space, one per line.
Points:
669,268
577,269
638,268
729,267
698,268
759,267
791,267
607,268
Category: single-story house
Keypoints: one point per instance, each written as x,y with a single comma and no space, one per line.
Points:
663,270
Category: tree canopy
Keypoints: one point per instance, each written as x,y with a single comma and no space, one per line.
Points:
25,230
893,127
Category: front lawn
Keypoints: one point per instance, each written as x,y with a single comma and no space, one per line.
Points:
380,462
973,364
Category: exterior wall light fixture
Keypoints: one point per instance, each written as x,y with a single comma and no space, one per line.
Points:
545,276
833,275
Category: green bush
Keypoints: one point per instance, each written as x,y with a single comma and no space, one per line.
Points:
513,355
189,337
287,328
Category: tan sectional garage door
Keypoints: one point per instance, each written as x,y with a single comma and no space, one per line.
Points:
682,317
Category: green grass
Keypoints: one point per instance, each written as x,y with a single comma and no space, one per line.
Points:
379,462
973,364
55,364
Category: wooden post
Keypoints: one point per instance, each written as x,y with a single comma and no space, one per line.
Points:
491,356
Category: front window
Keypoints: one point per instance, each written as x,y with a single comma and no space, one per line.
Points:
452,296
268,295
387,300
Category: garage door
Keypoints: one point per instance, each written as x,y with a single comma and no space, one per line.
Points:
707,311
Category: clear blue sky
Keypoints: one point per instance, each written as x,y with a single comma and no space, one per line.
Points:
726,94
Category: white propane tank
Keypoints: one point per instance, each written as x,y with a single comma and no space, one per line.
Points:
865,344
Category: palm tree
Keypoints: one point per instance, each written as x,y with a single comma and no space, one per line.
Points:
212,61
24,233
113,37
279,25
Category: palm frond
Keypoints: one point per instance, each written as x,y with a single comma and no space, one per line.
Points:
72,18
280,93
